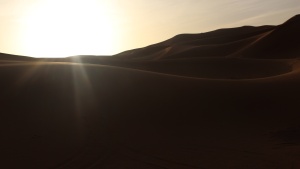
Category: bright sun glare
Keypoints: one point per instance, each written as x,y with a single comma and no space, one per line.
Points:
60,28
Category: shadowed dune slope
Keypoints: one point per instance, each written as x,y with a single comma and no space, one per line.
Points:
63,115
214,100
282,42
209,68
214,68
208,41
255,42
9,57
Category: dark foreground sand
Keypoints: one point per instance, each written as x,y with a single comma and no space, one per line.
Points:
227,99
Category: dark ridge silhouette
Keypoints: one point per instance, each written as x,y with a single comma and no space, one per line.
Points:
219,36
4,56
246,41
202,45
282,42
295,18
226,99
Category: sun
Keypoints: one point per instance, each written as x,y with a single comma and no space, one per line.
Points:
60,28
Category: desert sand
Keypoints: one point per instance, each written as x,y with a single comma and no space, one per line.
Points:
226,99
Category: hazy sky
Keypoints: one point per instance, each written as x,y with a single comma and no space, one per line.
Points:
56,28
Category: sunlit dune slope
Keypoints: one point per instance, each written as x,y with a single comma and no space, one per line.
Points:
212,100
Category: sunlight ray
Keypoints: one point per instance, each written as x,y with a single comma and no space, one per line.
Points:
83,90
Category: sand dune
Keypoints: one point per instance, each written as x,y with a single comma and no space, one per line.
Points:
206,42
282,42
211,100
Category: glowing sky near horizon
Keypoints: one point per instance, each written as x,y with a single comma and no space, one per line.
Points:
58,28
